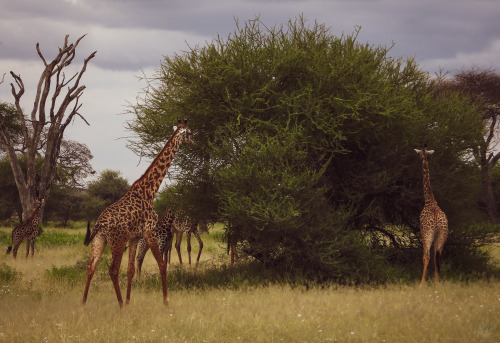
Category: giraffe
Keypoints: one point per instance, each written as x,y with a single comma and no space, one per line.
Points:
133,217
433,221
163,234
189,226
28,230
232,242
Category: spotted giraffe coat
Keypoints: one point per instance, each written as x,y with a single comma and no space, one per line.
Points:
163,235
28,230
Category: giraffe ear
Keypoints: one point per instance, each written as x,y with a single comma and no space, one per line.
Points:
430,152
418,151
175,128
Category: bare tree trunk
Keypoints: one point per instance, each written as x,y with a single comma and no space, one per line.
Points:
43,128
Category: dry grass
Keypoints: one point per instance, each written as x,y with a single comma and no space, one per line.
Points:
35,309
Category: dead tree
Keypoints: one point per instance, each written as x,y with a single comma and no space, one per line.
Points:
56,103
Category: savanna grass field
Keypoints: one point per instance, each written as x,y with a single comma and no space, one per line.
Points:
40,302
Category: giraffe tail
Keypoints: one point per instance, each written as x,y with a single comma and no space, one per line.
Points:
9,249
88,237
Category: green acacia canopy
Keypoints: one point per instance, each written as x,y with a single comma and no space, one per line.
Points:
306,138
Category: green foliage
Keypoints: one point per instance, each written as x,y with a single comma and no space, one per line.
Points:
57,238
304,145
107,189
10,119
70,275
8,274
9,197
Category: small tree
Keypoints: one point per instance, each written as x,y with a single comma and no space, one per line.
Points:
50,114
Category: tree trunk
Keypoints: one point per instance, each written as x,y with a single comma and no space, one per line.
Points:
488,197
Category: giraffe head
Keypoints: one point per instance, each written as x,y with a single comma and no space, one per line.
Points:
39,203
184,131
423,152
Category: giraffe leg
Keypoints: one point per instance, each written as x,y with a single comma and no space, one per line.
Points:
142,249
153,245
200,244
28,244
178,241
438,250
188,244
425,259
114,269
234,254
98,245
32,247
14,250
168,249
132,248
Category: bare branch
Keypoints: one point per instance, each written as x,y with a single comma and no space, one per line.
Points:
41,133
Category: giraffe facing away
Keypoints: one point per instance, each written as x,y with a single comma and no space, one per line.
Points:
133,217
28,230
433,221
163,235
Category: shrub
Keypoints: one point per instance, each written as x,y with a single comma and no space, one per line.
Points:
8,274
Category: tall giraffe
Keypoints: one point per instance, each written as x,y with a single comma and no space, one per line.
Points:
163,235
28,230
433,221
133,217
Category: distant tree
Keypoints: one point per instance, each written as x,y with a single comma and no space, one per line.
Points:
72,169
9,198
483,87
65,204
105,190
50,114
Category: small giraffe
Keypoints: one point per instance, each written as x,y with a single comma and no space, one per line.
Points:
28,230
133,217
163,235
232,242
433,221
189,226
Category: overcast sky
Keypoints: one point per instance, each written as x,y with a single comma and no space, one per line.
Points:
132,36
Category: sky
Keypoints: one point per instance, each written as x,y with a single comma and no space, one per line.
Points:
132,37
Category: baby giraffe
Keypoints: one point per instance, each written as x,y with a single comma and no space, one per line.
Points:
433,221
28,230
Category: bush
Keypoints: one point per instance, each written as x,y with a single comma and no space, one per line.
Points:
8,274
66,274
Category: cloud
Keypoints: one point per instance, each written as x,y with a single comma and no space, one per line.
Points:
132,36
488,57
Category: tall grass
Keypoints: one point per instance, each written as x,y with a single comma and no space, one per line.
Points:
219,303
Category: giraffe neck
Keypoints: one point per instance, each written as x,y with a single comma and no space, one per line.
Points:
35,216
428,195
149,183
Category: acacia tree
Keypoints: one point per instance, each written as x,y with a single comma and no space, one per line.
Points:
56,103
305,144
483,87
